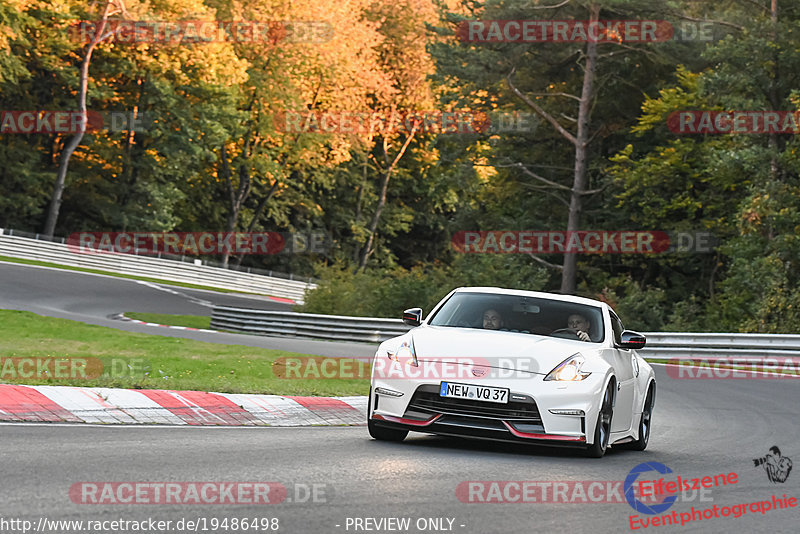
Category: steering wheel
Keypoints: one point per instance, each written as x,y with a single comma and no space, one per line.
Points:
566,331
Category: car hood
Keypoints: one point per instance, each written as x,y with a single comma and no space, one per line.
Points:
504,350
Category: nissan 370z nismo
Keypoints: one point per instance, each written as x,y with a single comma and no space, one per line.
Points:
515,365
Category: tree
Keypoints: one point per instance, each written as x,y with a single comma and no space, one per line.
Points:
111,8
575,89
265,169
404,59
744,188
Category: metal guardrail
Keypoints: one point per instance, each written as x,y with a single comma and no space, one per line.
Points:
330,327
163,269
711,345
666,345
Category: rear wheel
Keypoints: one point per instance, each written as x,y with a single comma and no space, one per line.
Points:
644,425
602,430
382,433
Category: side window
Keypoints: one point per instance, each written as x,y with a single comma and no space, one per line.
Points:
616,325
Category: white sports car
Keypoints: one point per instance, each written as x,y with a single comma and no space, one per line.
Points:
514,365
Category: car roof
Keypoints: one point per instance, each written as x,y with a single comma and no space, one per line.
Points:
538,294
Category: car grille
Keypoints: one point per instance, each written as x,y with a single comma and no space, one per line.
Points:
426,400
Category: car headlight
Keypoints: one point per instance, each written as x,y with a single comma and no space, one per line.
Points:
569,370
405,353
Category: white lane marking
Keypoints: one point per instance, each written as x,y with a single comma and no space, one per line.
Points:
195,300
66,269
122,317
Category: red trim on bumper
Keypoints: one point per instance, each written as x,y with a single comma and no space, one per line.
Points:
554,437
401,420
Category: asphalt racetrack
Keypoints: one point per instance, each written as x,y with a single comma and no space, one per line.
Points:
94,299
337,479
701,428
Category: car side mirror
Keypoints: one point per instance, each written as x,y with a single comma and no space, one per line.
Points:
632,340
413,316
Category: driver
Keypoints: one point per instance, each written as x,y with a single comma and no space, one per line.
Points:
492,320
581,325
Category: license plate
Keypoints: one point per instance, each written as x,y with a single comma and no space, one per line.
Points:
473,392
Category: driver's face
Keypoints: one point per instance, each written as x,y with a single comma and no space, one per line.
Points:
492,320
578,322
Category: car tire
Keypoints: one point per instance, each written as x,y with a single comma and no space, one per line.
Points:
645,423
382,433
602,430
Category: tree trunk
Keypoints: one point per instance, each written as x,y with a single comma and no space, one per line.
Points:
359,201
63,165
237,197
373,225
580,141
257,215
774,98
570,271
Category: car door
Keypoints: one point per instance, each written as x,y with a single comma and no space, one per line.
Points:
623,365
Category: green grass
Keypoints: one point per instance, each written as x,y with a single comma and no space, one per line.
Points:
192,321
155,361
120,275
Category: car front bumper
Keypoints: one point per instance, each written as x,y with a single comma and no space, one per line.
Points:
528,417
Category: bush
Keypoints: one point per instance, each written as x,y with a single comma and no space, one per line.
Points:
387,292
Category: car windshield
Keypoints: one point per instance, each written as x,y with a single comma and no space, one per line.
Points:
517,313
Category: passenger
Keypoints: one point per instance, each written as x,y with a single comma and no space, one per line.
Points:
580,325
492,320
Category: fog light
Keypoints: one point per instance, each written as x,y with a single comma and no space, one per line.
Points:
389,392
568,412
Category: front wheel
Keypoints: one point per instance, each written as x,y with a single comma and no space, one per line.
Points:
644,426
382,433
602,430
